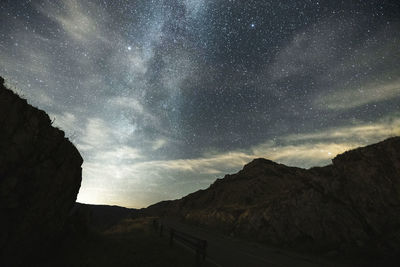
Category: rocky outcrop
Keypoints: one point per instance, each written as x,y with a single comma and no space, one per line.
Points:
350,206
40,176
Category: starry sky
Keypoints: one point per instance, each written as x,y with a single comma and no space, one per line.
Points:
161,97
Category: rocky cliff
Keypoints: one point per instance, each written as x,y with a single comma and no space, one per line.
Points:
352,205
40,176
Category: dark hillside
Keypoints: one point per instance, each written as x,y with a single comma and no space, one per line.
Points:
350,207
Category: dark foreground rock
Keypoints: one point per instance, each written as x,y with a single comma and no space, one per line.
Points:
351,206
40,176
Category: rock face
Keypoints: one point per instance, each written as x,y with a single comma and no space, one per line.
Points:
350,206
40,176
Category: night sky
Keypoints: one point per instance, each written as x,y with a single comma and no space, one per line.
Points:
163,97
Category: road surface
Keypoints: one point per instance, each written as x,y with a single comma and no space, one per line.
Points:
231,252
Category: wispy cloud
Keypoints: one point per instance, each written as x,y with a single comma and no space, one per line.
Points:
354,97
315,149
32,66
126,167
159,143
366,132
134,106
96,135
310,49
80,23
345,78
303,155
208,165
120,155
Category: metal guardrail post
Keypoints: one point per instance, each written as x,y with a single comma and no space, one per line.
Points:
198,262
204,249
199,245
155,224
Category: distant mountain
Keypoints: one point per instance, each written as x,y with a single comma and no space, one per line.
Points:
102,217
350,206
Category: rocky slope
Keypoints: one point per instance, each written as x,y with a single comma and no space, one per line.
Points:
40,176
352,205
102,217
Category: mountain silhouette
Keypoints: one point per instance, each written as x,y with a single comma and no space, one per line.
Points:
350,206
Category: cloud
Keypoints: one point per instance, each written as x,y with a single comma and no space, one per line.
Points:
338,73
354,97
159,143
112,173
80,23
209,165
118,155
310,49
127,102
367,132
316,149
139,115
303,155
96,135
303,150
108,160
137,62
27,70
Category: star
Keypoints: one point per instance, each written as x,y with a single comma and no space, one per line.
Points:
160,91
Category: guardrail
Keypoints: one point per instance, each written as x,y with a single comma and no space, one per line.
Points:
195,243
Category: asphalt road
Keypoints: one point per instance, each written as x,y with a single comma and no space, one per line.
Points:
231,252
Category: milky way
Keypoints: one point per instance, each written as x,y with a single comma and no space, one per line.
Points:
163,97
